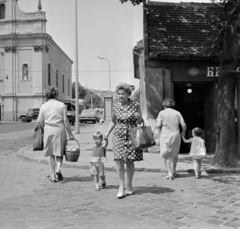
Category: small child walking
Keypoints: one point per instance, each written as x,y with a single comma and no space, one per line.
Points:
98,158
197,151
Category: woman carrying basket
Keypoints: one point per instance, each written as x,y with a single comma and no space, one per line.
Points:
53,115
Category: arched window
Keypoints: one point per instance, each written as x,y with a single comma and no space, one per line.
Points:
56,77
25,72
2,11
49,74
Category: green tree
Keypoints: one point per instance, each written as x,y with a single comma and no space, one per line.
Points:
82,91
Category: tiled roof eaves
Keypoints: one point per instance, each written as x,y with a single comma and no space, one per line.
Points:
178,29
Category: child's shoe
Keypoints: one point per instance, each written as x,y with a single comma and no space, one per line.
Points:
104,184
97,188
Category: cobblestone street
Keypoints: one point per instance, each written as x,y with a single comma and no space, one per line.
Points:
28,200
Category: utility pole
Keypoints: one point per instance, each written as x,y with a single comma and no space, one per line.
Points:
76,76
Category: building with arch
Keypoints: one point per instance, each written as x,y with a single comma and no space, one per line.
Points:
30,61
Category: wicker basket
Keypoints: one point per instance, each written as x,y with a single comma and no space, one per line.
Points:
72,155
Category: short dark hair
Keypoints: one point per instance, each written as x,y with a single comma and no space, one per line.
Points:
197,131
52,92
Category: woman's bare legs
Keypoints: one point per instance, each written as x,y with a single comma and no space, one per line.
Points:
59,161
169,164
52,166
130,172
120,172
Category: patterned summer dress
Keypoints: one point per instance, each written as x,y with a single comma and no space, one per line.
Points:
124,118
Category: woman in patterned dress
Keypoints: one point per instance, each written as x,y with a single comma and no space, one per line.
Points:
53,114
126,113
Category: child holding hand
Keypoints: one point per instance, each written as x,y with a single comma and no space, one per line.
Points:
197,151
98,158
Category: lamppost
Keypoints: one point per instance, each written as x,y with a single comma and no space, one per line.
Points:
109,71
76,76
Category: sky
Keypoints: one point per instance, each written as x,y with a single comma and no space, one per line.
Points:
106,28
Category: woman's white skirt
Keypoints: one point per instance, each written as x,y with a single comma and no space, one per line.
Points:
55,141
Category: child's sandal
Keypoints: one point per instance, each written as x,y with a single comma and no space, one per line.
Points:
104,184
97,189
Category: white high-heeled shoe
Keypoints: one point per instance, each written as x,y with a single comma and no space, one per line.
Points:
120,195
128,193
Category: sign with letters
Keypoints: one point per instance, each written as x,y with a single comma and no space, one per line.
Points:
196,71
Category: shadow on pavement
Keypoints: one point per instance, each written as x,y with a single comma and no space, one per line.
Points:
232,179
185,175
152,189
77,179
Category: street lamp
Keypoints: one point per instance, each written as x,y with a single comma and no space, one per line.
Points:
109,71
76,76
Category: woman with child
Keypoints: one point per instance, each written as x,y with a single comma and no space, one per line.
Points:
126,113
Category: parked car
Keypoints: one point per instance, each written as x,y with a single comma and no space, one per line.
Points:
25,117
88,115
35,112
70,111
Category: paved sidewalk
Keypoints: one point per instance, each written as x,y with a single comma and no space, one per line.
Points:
29,201
151,163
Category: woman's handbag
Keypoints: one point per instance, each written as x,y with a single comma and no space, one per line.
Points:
141,137
38,138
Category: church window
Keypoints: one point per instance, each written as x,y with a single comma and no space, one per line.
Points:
25,71
56,77
2,11
49,74
63,83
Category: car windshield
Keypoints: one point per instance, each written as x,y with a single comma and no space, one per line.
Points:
88,112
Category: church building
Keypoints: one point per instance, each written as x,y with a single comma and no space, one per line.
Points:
30,61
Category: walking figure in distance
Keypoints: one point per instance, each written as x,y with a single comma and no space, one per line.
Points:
98,158
197,151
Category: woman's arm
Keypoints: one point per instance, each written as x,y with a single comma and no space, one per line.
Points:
105,144
110,128
138,115
40,117
66,123
111,125
183,124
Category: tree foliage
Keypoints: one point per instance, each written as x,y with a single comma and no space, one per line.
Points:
82,91
92,100
134,2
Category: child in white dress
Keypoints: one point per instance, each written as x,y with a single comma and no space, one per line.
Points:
197,151
97,160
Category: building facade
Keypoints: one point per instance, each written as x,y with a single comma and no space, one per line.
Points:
30,61
173,61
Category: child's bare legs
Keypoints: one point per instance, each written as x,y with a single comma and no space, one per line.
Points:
96,177
197,167
96,180
102,176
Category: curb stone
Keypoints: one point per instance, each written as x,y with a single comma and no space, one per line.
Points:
206,169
